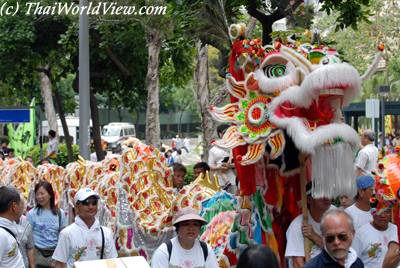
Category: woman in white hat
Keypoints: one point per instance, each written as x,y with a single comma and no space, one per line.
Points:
185,250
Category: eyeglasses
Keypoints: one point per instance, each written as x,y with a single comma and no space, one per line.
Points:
88,202
331,238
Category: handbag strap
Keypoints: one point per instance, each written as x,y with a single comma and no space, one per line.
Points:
102,244
59,220
11,233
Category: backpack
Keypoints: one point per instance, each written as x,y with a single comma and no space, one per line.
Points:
202,244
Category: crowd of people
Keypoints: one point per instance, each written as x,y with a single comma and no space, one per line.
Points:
356,233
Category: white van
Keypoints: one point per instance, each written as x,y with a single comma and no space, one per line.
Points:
113,133
73,128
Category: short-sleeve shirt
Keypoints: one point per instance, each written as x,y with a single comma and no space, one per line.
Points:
295,238
183,258
25,237
46,227
371,244
10,255
77,242
215,157
367,159
360,217
52,146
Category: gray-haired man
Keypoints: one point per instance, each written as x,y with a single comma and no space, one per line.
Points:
337,233
367,158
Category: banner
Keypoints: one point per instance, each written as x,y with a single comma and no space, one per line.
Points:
22,138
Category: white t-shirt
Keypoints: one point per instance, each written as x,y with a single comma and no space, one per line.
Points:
79,243
295,238
360,217
52,146
371,244
215,157
367,159
10,256
183,258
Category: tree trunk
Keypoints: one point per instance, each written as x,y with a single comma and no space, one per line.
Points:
45,90
61,114
94,112
203,95
154,42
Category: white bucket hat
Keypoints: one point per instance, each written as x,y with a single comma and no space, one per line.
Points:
188,214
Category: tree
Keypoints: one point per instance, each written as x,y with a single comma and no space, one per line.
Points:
29,55
382,28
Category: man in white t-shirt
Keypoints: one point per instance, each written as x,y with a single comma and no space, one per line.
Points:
52,146
372,239
298,230
221,164
367,158
11,208
185,250
360,210
84,239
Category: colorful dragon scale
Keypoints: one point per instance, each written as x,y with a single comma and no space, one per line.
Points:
137,201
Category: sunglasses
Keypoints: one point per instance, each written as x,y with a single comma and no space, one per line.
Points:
331,238
88,202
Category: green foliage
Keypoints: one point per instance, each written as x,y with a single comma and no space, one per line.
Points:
302,17
189,177
358,47
62,157
350,12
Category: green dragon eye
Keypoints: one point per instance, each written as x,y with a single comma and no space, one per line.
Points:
275,70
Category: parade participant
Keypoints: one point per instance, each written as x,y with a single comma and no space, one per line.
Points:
257,256
30,160
367,158
337,232
169,159
372,239
52,145
360,210
392,257
47,221
11,209
298,230
200,168
84,239
185,250
345,201
4,148
177,156
10,154
26,245
25,238
221,165
178,176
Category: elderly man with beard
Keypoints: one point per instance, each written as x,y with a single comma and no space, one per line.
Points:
337,233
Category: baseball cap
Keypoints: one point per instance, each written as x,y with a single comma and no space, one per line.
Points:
84,194
364,182
187,214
